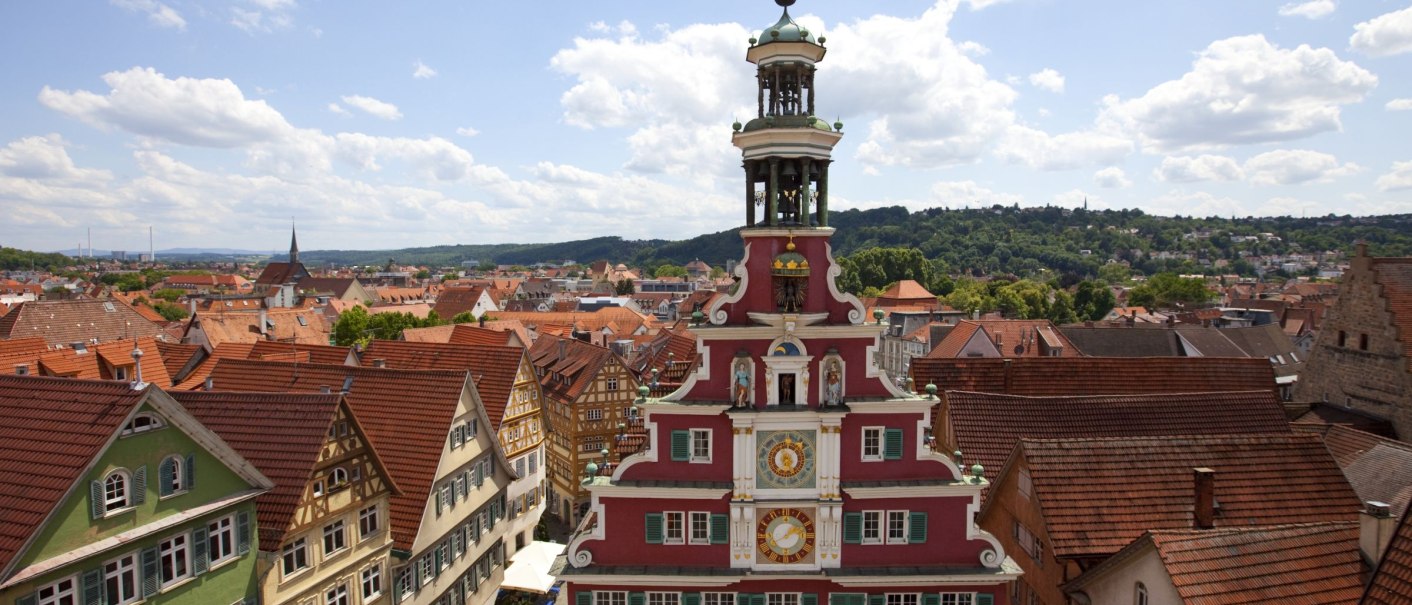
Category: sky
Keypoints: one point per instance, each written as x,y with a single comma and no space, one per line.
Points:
382,125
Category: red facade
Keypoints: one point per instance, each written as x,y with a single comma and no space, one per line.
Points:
788,469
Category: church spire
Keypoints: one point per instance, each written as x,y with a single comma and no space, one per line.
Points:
293,245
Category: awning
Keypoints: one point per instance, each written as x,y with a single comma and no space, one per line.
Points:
529,568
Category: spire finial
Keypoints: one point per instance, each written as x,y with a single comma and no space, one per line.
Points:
293,243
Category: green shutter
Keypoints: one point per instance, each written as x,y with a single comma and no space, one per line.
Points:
691,598
139,485
583,597
931,598
242,532
742,598
189,472
150,574
757,599
654,528
436,560
892,444
808,598
916,528
985,599
720,529
847,598
164,477
93,586
637,598
681,446
852,528
29,599
436,496
96,496
198,551
480,478
877,599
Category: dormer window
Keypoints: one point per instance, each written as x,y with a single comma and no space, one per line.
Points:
120,373
338,477
142,423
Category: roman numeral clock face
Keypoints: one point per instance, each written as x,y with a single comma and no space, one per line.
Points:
785,535
785,460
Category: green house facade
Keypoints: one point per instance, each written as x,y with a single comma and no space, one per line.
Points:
114,494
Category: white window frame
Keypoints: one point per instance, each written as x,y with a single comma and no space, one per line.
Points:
426,570
178,466
335,532
610,597
370,581
337,477
781,598
296,552
151,422
612,384
877,433
958,598
64,588
679,535
700,440
123,499
894,517
664,598
369,523
594,414
220,540
699,520
114,571
174,554
877,518
337,594
1139,594
717,598
903,598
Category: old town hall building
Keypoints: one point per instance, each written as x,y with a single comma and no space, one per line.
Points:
788,469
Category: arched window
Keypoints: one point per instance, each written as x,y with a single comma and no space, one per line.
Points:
142,423
115,491
1140,596
175,475
338,476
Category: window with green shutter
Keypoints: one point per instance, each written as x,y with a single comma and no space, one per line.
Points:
166,477
931,598
93,586
583,597
892,444
877,599
848,598
654,528
808,598
720,529
852,528
917,528
691,598
198,551
637,598
151,574
681,446
985,599
189,472
242,532
139,486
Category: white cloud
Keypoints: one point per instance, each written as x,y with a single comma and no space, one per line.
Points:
976,5
434,158
1078,198
46,159
1111,177
188,111
1195,203
420,71
338,109
1388,34
972,48
1399,105
158,14
264,16
970,194
1244,90
1293,166
1048,79
1312,9
373,107
1187,169
1398,179
1042,151
467,131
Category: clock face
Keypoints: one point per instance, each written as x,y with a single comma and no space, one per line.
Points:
785,535
785,460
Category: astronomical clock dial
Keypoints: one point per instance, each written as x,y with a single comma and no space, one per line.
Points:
785,535
785,460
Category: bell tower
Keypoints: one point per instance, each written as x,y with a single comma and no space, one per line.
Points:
786,148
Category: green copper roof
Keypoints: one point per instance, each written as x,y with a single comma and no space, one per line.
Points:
786,122
786,30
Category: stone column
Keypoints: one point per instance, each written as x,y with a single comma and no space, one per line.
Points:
772,197
803,209
824,193
749,193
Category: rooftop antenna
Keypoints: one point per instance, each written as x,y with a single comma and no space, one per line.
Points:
137,384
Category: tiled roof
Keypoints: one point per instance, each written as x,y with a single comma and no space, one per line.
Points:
1208,342
1378,468
673,353
1122,342
470,334
279,273
245,327
406,413
338,286
1094,375
492,367
1327,414
986,427
1012,337
454,301
432,334
93,362
281,434
953,341
1304,564
1097,495
1395,276
626,319
61,322
1392,580
176,357
29,345
418,310
574,359
905,290
50,429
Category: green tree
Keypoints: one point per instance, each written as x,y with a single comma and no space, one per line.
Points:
463,317
423,274
669,271
1061,310
1093,300
1115,273
170,312
352,327
717,272
169,294
624,287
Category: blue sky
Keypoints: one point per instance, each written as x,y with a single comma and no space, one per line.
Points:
386,125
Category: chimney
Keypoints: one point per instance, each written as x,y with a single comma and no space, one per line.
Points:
1204,512
379,363
192,303
264,320
210,384
481,320
1376,524
563,349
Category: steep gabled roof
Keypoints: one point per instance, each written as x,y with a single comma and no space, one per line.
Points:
492,367
61,322
1054,376
577,362
1392,580
406,413
1123,342
986,426
282,435
28,345
1097,495
1011,337
280,273
471,334
1303,564
1379,468
451,302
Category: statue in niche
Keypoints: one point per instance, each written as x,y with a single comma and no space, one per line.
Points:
742,384
833,389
